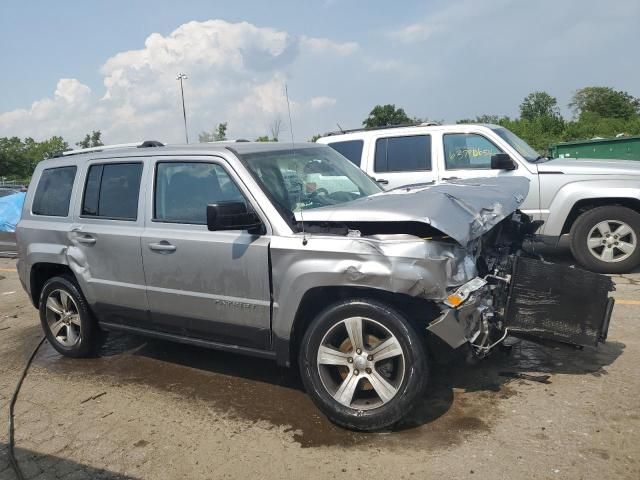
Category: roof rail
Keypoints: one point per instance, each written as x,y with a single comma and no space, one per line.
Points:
365,129
145,144
151,143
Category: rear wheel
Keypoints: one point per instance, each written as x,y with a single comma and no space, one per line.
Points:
363,364
606,239
66,319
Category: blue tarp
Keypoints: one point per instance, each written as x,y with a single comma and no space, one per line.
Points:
10,211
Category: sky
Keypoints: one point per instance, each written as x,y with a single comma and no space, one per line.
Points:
70,67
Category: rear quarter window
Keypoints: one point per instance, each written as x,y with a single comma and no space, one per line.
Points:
350,149
53,192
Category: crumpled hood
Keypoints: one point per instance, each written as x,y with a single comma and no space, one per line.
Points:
588,166
464,209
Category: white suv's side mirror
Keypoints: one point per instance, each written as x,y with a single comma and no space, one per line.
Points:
502,161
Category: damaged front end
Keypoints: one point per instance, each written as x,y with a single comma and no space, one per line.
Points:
459,245
519,294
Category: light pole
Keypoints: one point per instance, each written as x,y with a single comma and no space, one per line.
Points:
181,77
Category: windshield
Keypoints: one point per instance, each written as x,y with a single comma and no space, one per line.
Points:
309,177
516,142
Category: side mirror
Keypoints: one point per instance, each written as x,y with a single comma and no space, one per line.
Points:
502,161
233,216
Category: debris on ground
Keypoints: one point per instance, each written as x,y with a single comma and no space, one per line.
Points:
526,376
93,397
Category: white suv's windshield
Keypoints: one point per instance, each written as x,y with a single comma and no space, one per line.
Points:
309,177
522,147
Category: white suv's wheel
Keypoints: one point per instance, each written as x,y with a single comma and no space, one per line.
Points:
606,239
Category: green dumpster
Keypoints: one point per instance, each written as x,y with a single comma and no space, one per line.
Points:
623,148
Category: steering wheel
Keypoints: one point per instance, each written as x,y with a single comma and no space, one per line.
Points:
343,196
323,198
320,197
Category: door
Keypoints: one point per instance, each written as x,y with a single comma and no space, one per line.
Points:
202,284
105,241
402,160
468,155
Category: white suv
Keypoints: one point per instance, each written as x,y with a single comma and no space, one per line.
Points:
591,205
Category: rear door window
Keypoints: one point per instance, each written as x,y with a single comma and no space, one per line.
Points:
53,193
112,191
468,151
350,149
403,154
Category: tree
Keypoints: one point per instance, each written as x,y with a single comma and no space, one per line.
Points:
604,102
539,104
264,138
275,127
47,148
494,119
19,157
384,115
93,139
315,137
219,134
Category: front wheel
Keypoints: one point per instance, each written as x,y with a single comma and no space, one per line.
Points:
605,239
363,364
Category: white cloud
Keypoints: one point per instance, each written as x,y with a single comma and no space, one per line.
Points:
66,110
71,91
415,32
236,71
324,45
474,58
455,19
317,103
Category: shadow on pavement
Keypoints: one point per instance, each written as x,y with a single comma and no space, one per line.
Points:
34,464
503,367
460,400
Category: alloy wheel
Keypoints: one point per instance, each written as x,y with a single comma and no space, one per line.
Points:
63,318
612,241
361,363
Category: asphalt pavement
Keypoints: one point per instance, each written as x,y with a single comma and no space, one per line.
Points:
156,410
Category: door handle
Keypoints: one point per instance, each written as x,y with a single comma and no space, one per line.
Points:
382,181
163,246
86,239
451,178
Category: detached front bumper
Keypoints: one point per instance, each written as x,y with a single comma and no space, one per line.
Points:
471,320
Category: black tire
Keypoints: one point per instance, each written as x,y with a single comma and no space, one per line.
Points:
415,366
580,235
88,334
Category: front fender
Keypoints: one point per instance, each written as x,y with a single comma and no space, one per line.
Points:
571,193
392,263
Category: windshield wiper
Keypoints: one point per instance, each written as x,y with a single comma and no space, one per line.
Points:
412,185
540,158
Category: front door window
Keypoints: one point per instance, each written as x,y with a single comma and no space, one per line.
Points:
468,151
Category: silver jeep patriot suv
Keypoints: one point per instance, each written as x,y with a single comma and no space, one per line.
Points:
293,253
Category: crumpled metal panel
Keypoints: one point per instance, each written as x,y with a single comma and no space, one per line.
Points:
395,263
463,210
